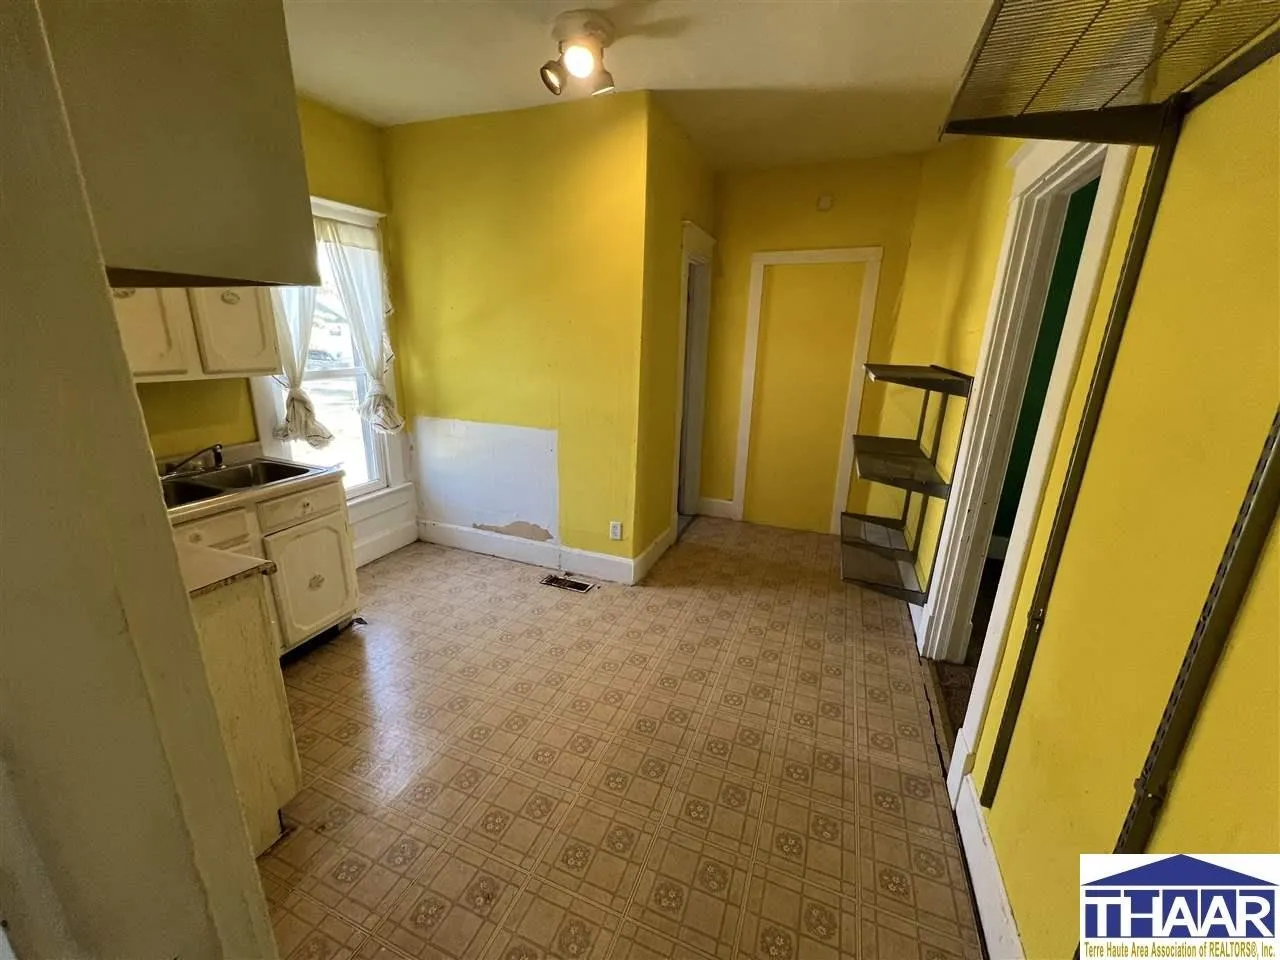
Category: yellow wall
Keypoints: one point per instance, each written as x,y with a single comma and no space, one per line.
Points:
182,417
1195,387
776,209
1246,820
807,330
519,272
343,157
956,238
678,188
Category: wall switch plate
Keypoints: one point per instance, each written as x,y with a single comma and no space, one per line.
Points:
615,529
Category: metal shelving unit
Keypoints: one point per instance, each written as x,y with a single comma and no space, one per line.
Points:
876,552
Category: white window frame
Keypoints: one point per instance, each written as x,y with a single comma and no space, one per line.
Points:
390,451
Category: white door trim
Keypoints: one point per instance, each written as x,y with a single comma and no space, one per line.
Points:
853,401
697,247
999,928
1049,173
866,313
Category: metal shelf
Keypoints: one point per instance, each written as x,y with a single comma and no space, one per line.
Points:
893,578
883,535
898,462
935,378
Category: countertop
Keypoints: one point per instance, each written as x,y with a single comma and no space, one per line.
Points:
250,495
206,568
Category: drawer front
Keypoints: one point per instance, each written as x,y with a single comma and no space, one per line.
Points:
315,578
286,511
226,531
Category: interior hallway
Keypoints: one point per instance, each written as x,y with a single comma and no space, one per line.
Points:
737,752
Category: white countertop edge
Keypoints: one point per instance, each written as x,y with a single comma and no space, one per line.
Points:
206,568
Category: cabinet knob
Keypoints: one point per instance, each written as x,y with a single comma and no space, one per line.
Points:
196,537
306,506
316,582
124,293
230,296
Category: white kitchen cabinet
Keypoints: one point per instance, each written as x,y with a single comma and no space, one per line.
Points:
238,645
315,579
197,334
155,326
235,329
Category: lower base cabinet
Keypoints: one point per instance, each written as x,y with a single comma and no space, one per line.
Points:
315,579
237,643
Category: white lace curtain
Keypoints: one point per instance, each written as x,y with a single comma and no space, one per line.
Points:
294,309
353,256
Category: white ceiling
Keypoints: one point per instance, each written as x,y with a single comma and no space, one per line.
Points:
753,81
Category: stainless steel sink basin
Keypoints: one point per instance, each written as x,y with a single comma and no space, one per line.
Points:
255,473
180,492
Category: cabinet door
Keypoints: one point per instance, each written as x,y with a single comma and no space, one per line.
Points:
155,326
235,329
315,578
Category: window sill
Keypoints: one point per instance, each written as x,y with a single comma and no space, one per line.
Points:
380,501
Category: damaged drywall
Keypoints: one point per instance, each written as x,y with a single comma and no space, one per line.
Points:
518,528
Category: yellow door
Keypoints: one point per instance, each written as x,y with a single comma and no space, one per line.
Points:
808,323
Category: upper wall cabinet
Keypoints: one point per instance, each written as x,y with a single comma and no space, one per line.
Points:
155,326
235,329
185,122
197,334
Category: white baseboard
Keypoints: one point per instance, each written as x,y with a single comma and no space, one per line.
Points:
644,563
725,509
999,929
919,621
597,566
370,548
961,764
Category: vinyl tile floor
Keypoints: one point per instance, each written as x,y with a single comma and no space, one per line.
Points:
733,760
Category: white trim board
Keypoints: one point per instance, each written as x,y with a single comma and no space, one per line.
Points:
642,564
383,522
999,928
542,553
345,212
871,256
1047,174
724,509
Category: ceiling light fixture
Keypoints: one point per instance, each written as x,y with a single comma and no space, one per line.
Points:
602,82
582,36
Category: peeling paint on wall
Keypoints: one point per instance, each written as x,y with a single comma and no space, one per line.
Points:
518,528
488,476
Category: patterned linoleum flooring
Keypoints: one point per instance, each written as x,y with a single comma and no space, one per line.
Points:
734,759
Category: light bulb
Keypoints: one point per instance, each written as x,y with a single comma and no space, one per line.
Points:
579,60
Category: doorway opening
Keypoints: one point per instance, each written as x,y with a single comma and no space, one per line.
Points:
1051,180
695,322
955,680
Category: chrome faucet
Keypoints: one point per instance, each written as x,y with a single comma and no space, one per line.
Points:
175,468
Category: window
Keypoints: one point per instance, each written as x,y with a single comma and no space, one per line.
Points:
332,374
337,386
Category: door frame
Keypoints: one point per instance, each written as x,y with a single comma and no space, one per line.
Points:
697,248
1046,173
871,256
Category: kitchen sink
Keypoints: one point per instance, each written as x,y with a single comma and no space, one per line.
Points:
255,473
180,492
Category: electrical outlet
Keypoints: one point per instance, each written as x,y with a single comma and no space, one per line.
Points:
615,529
